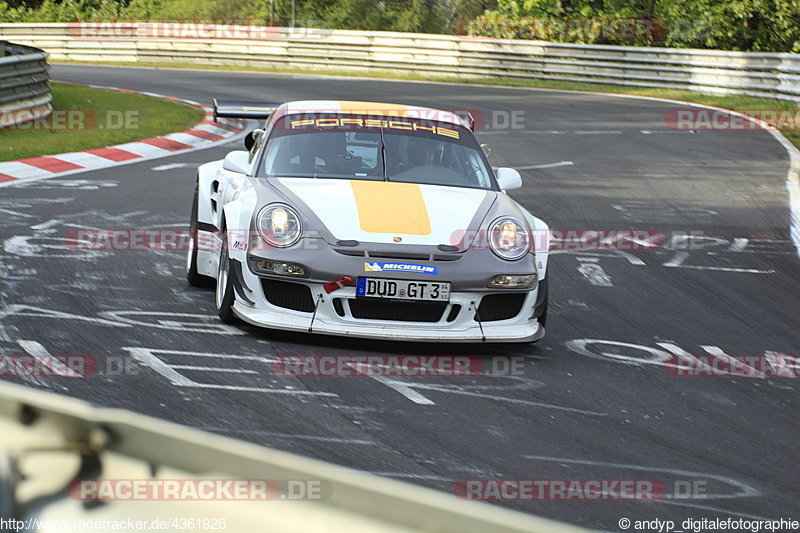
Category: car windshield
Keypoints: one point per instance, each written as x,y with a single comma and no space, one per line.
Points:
380,149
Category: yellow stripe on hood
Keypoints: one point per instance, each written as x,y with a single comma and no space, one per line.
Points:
387,207
373,108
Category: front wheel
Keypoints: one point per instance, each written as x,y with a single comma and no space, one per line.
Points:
225,292
194,278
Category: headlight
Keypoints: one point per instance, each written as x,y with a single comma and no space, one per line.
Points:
508,238
279,225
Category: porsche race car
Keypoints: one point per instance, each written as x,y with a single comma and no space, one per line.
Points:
368,220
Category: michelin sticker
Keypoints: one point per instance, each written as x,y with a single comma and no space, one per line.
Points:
400,267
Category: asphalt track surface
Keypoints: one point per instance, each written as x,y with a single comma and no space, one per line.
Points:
594,403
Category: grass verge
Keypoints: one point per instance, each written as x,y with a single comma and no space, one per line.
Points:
741,103
87,118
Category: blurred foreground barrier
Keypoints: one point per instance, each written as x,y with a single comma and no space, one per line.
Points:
64,461
24,93
775,75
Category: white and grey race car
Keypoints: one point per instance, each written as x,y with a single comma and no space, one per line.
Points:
367,220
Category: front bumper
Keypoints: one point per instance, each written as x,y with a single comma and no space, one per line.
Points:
455,325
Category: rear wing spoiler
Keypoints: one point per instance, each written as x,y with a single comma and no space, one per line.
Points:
240,109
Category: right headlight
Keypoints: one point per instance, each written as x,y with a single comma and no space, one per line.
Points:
279,225
508,238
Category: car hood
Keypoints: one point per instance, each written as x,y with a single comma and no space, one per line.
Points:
390,212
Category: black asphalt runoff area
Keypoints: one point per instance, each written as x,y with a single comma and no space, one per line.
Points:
596,400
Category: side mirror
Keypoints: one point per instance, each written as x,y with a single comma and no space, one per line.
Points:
487,150
238,161
252,138
508,179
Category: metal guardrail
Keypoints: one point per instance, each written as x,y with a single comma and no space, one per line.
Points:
775,75
24,92
42,435
759,74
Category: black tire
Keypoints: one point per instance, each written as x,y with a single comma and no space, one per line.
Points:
541,303
194,278
224,294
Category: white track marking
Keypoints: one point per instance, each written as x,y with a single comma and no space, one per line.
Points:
405,390
184,322
172,166
149,358
398,386
677,260
40,353
696,363
782,367
598,132
547,165
726,269
667,132
632,259
593,272
738,245
19,310
46,225
716,351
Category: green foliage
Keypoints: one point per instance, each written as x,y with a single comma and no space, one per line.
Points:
754,25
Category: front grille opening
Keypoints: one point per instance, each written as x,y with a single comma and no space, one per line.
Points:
453,314
499,306
399,311
338,307
288,295
399,255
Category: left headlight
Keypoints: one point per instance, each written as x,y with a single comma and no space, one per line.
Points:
279,225
508,238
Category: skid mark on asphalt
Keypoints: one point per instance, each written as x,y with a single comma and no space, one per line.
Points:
76,184
184,322
522,384
741,489
262,433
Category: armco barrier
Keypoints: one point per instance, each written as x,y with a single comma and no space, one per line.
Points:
759,74
48,434
24,92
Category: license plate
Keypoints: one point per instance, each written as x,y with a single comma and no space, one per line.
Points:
402,289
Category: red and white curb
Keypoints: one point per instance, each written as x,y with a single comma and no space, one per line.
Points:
202,135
